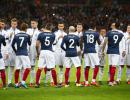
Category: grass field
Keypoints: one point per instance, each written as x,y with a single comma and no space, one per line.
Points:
104,92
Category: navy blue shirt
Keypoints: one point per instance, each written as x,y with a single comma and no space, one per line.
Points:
114,38
46,39
2,42
71,42
90,38
21,40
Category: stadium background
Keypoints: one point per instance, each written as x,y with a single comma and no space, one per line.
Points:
103,12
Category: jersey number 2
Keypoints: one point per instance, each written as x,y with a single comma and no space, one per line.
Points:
71,43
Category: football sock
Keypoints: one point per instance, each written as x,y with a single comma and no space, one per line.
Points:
17,76
67,75
32,75
128,73
120,72
26,72
101,70
61,75
21,74
38,74
112,73
78,74
10,74
86,73
54,76
95,72
45,69
3,77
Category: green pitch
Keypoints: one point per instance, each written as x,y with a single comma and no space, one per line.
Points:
104,92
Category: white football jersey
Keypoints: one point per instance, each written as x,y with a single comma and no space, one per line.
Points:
127,43
33,34
10,35
58,33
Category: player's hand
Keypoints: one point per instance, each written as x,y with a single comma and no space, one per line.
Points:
123,54
61,36
6,56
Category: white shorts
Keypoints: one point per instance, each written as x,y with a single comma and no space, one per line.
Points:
10,61
122,60
2,64
22,61
91,59
59,57
102,60
72,60
33,55
113,59
128,59
46,59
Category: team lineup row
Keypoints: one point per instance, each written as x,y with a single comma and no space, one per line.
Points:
20,48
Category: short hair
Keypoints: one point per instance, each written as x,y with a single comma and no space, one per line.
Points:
79,24
23,26
60,22
48,26
71,29
2,20
14,20
34,19
92,24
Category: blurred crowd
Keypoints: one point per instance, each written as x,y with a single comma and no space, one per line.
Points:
102,15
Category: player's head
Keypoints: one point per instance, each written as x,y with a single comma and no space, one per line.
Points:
79,27
92,25
71,29
2,22
103,31
128,28
14,23
47,27
34,23
23,27
61,26
115,25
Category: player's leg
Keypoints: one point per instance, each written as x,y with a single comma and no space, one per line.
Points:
27,66
114,63
128,68
95,65
11,68
41,65
2,72
87,67
77,63
120,69
61,73
101,68
17,71
67,70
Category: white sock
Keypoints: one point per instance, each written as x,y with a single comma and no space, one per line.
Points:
101,70
32,75
48,75
23,82
119,73
61,75
10,74
128,74
21,74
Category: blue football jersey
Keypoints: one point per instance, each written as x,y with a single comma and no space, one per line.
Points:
69,44
20,43
114,38
90,38
46,39
2,42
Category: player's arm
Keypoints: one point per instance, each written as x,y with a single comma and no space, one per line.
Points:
13,44
29,40
104,44
62,44
3,40
124,46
